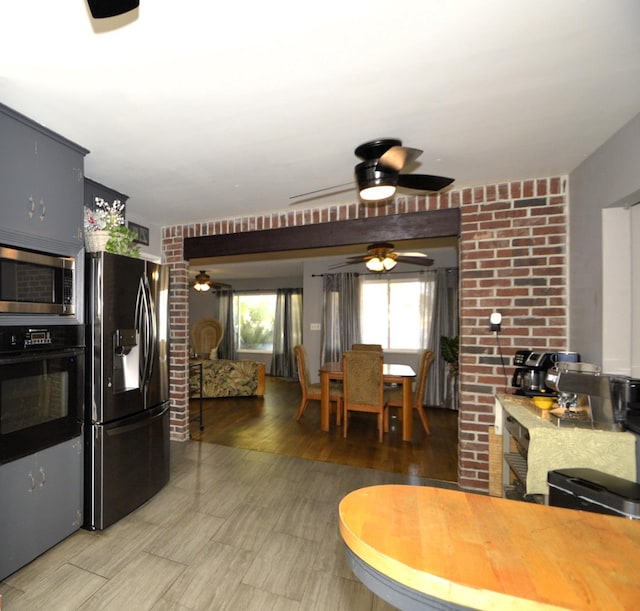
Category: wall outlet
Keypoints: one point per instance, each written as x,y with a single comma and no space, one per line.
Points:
315,326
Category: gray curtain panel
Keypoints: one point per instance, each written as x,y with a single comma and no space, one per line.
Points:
341,315
444,321
287,332
227,348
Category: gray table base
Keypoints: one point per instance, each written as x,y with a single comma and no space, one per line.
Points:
393,592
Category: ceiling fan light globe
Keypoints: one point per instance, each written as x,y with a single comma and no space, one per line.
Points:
377,193
374,184
388,263
375,265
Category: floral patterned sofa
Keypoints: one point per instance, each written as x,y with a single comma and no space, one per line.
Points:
222,378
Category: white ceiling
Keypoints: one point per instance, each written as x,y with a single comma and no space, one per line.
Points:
201,110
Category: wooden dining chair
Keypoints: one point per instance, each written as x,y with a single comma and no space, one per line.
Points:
393,396
313,392
363,385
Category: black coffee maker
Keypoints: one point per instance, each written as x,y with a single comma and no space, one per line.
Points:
531,371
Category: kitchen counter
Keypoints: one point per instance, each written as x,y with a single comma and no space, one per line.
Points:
416,546
552,447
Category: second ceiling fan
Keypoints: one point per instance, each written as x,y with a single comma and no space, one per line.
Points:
381,257
203,283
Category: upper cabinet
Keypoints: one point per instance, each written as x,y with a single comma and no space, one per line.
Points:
93,189
42,178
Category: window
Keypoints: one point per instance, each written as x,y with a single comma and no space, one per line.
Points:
255,315
390,313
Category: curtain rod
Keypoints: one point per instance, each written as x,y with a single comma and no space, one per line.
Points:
382,274
232,290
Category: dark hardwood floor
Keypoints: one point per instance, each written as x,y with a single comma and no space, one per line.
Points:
268,424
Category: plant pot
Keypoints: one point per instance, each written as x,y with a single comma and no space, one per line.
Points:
96,241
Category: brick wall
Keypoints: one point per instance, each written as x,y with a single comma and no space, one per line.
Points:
513,259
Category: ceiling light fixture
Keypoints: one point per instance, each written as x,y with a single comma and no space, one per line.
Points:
374,184
378,264
203,282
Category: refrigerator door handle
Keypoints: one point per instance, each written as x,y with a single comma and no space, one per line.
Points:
151,326
145,325
142,327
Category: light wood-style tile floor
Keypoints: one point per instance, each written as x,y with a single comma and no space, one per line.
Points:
233,529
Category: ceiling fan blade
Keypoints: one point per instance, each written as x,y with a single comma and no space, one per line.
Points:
345,184
406,253
397,157
424,261
337,265
423,182
357,258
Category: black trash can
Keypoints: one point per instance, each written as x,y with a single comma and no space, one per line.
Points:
595,491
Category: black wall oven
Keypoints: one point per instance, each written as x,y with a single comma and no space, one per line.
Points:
41,388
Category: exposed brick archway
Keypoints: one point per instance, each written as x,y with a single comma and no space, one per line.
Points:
513,258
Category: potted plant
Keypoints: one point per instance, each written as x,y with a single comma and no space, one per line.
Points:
449,349
104,229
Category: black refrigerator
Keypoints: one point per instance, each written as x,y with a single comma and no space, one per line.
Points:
127,389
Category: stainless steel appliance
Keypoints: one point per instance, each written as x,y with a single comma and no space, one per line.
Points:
530,373
41,388
36,283
127,433
595,491
590,398
632,398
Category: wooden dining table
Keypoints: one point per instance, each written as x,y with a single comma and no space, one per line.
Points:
392,373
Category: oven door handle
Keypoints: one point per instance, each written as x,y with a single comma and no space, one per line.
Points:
39,355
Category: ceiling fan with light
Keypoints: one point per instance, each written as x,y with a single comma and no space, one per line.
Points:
379,174
381,257
204,283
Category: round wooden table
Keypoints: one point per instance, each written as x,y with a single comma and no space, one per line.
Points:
429,548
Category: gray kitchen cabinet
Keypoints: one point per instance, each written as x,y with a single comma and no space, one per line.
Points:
41,503
93,189
42,178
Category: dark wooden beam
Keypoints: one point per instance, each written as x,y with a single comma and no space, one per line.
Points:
418,225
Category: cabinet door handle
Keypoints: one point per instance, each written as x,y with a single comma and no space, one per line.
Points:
43,477
43,210
32,480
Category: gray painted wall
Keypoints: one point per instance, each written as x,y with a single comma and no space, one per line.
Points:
607,178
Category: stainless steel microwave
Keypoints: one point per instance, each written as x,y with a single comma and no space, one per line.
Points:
36,283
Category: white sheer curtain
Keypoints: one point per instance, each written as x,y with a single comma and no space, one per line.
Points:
287,332
340,314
